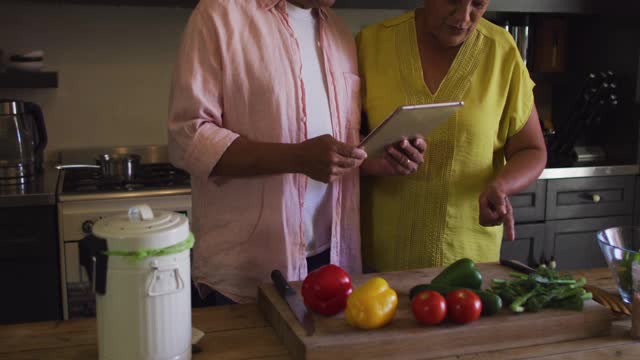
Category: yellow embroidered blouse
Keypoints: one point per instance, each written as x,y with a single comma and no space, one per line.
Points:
431,217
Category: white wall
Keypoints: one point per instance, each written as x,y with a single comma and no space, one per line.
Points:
114,67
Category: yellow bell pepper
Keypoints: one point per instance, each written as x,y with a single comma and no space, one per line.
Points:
372,305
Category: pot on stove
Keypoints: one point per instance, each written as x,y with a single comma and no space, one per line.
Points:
140,271
115,167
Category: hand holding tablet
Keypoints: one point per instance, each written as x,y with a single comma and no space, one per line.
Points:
405,123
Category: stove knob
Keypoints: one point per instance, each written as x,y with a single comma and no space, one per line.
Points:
87,227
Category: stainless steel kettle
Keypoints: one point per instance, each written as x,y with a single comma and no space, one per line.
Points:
23,138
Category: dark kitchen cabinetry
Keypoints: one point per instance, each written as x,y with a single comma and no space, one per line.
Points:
590,197
618,7
29,265
573,242
574,209
636,211
528,244
529,204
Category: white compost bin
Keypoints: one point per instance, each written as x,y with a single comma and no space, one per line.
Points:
144,311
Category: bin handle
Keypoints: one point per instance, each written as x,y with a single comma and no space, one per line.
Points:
157,269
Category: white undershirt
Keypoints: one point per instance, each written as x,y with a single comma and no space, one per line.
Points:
317,200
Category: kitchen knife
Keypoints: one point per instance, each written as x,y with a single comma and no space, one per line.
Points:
295,302
589,88
517,266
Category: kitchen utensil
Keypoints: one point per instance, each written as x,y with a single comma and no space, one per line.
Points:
520,30
295,302
23,138
621,248
140,268
115,167
601,296
589,88
406,338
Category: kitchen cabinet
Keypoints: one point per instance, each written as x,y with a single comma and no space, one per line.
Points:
590,197
164,3
612,7
29,267
573,242
636,208
543,6
529,204
573,210
528,244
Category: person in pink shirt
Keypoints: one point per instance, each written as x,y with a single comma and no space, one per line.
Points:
265,116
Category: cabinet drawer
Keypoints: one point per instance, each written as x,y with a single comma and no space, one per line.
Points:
573,243
528,245
529,204
590,197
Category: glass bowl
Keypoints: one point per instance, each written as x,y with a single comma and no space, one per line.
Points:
621,246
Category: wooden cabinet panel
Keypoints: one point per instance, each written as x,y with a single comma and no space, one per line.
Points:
636,209
573,242
590,197
529,204
527,246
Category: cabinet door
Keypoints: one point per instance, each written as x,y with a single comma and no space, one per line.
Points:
527,246
636,210
590,197
573,243
529,204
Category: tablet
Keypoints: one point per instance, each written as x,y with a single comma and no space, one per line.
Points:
407,121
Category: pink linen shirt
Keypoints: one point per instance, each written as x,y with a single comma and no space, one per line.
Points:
239,73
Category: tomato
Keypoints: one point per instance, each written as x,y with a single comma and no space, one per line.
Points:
429,307
463,306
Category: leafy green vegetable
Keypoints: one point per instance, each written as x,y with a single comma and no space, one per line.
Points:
545,288
623,268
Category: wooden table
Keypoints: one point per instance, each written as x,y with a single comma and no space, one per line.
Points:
240,332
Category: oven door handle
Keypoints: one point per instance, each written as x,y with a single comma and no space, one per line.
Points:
158,271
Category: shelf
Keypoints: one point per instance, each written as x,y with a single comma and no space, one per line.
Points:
25,80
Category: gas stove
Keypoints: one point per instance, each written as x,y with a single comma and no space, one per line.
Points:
84,196
155,176
88,183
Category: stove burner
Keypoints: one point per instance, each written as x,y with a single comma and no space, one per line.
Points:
150,176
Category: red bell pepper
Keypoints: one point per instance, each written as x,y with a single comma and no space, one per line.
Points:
325,290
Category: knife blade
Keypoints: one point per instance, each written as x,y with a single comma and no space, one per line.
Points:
517,266
295,302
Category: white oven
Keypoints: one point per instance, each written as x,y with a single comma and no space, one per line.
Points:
85,195
75,221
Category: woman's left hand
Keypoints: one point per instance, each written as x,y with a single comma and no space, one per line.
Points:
401,158
495,209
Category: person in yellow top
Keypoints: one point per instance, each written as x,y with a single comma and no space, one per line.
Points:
455,203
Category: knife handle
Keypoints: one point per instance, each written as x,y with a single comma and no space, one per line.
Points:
281,283
517,265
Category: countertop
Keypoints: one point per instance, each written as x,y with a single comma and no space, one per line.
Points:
240,332
40,191
589,171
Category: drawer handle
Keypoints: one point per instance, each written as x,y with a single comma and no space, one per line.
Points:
596,198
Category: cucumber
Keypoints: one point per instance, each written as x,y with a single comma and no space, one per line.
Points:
491,303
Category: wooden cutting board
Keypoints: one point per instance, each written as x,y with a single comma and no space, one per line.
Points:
405,338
